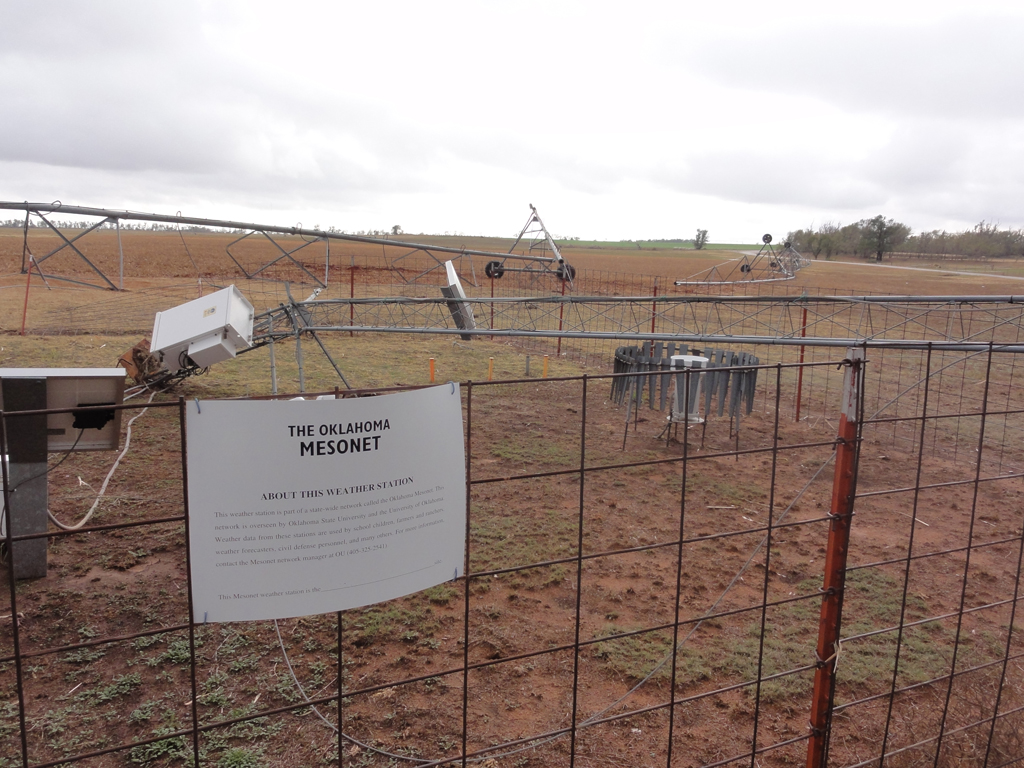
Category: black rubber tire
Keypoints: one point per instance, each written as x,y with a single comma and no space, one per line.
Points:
566,269
766,239
494,269
744,268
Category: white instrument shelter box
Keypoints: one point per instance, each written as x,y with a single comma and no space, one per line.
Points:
207,330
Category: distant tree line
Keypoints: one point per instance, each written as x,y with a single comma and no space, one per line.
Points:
872,238
982,241
153,226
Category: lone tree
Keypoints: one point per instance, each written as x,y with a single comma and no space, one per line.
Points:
396,230
881,234
700,240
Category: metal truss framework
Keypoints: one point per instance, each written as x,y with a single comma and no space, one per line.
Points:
554,266
908,322
766,266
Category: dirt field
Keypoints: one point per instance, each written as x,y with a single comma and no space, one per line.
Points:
190,256
398,658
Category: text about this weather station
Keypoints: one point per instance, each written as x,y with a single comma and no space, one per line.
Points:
331,528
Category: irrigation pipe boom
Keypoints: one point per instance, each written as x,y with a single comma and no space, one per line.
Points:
554,264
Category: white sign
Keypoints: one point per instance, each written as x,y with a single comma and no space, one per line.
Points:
298,508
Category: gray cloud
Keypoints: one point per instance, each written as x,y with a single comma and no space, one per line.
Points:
961,68
789,178
185,104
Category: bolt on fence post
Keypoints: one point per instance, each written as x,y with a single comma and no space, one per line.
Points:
843,486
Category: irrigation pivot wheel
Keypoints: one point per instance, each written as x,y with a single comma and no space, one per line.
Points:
766,239
566,272
494,269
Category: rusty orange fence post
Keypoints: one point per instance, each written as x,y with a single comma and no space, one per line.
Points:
837,549
561,310
800,370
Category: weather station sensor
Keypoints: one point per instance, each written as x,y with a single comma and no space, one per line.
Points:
462,313
686,402
90,421
202,332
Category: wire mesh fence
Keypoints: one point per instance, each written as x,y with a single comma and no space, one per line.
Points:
631,597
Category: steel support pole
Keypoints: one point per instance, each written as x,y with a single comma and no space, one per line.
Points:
843,486
24,246
273,360
654,307
28,285
27,473
800,371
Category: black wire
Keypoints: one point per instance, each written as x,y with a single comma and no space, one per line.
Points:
48,470
187,251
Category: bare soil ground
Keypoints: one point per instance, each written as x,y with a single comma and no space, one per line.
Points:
127,581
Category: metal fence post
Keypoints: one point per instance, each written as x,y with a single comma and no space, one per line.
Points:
835,559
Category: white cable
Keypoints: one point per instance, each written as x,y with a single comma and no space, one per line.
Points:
327,722
106,480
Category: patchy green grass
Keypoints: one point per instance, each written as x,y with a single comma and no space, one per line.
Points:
636,656
500,540
872,603
392,619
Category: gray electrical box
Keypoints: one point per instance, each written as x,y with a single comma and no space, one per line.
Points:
88,426
73,388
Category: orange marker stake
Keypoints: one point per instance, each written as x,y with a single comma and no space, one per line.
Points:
431,370
490,369
544,372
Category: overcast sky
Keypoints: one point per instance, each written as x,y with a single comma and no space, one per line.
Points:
617,120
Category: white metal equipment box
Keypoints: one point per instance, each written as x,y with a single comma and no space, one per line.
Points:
207,330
